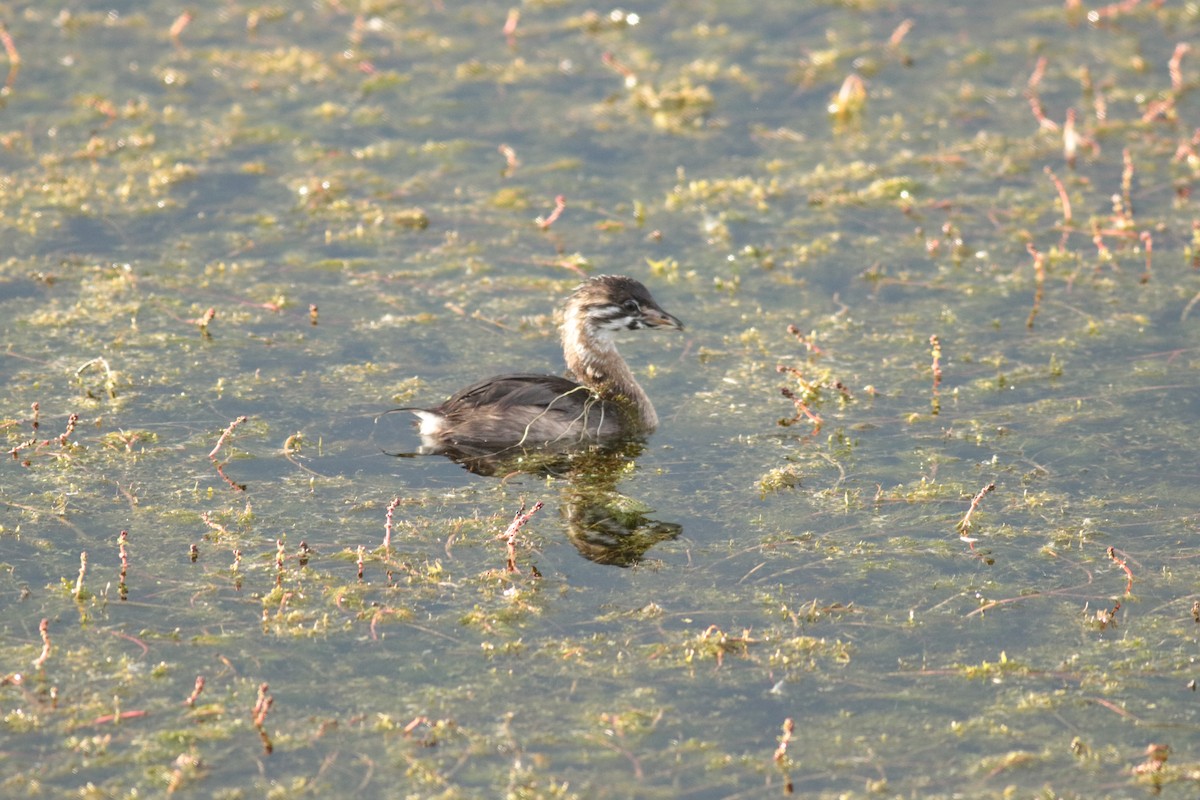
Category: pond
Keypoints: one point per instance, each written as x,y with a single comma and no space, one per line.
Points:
919,517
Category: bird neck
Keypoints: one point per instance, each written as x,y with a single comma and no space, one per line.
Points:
592,357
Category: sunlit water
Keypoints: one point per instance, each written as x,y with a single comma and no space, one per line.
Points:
388,168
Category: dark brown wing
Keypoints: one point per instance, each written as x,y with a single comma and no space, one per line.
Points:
520,389
522,411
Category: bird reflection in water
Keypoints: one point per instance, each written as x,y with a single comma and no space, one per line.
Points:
603,524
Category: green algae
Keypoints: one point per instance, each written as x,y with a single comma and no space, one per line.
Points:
334,184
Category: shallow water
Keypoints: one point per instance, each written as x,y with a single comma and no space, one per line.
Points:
259,160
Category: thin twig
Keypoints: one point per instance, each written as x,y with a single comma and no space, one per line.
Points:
1062,197
387,526
1120,562
83,565
14,58
44,630
801,408
510,26
560,204
1148,242
965,524
511,162
1181,49
177,27
262,705
510,534
190,702
1039,283
789,728
212,455
225,435
935,346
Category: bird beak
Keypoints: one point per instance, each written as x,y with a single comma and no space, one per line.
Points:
657,318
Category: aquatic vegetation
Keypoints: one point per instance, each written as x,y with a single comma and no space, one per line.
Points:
926,458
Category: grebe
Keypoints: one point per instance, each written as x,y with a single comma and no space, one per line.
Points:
603,403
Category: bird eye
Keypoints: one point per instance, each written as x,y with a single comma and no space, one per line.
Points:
631,305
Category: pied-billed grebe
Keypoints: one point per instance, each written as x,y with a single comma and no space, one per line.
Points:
529,411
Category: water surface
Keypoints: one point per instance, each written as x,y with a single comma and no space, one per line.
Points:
387,164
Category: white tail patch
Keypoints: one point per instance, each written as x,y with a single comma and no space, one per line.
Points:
431,423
